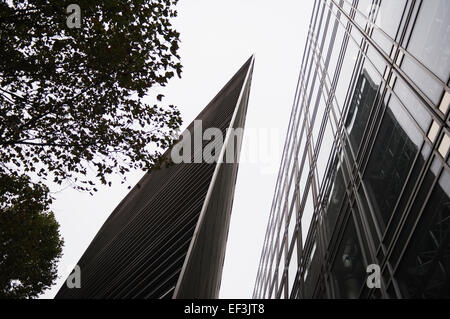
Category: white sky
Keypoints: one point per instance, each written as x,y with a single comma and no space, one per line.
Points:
218,36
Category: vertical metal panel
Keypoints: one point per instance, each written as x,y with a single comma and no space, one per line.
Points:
140,250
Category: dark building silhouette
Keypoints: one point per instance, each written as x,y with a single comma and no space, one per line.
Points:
167,237
365,177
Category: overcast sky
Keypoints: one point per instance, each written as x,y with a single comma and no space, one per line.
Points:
217,37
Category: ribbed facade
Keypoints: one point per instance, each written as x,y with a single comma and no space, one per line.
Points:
167,237
365,176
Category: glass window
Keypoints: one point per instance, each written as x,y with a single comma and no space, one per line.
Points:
348,270
292,223
281,222
365,6
347,7
430,40
310,259
293,264
272,294
318,120
331,29
356,36
430,87
290,170
302,173
365,210
414,176
346,73
383,41
333,197
308,213
325,151
361,105
389,16
300,142
388,19
281,266
312,98
413,104
377,60
323,26
317,15
362,14
336,48
393,154
425,268
292,182
430,44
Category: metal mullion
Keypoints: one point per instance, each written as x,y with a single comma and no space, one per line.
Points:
331,92
416,222
274,203
369,151
397,68
417,185
412,200
417,62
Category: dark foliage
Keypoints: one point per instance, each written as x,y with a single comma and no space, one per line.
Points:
73,98
30,244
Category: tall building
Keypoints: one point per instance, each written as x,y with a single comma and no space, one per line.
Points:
364,179
167,237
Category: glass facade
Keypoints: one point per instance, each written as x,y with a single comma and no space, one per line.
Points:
365,175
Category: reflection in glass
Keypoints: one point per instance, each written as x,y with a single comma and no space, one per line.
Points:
393,155
365,7
430,40
346,72
307,216
425,269
389,16
412,102
333,197
430,44
311,272
388,20
293,265
409,187
348,271
361,105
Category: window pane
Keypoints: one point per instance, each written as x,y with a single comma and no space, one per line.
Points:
346,73
318,120
312,272
395,148
348,270
325,151
293,264
307,216
412,102
389,16
425,269
361,105
430,40
292,222
336,48
377,60
333,196
365,6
